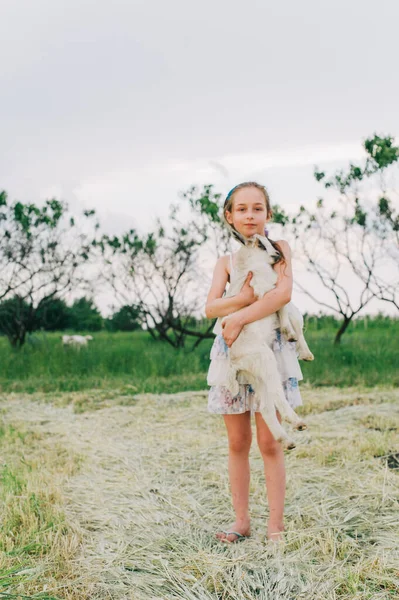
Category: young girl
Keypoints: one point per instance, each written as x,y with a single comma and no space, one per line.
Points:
246,210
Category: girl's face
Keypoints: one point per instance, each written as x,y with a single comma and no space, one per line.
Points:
248,214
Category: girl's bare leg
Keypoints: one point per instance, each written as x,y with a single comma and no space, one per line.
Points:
239,434
273,458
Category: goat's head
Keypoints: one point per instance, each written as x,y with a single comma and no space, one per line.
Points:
256,241
262,242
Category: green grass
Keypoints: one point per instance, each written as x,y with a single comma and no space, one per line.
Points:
33,528
366,355
134,362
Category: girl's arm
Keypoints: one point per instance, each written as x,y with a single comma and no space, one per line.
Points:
270,303
277,297
216,306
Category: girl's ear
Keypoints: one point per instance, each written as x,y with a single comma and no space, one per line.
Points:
228,217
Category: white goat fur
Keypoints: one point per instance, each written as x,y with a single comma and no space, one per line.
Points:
76,340
251,358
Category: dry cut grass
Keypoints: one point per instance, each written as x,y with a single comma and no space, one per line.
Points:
36,541
152,488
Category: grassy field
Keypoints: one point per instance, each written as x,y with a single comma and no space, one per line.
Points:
36,542
121,497
134,362
113,475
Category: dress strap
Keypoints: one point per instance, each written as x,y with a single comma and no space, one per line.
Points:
231,264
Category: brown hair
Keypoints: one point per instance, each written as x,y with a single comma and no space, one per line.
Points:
228,205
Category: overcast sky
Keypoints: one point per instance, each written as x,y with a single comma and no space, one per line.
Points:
120,105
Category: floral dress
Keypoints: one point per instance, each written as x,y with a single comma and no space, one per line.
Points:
220,400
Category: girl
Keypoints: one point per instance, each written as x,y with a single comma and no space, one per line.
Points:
246,210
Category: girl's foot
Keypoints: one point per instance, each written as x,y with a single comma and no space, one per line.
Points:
274,532
242,527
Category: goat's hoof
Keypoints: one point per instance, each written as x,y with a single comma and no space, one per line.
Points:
300,426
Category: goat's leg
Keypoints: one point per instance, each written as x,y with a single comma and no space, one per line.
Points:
231,380
276,391
287,412
285,324
261,368
256,366
268,412
303,349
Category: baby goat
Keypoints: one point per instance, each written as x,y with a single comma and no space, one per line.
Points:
251,358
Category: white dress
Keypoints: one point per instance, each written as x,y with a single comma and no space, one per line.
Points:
220,400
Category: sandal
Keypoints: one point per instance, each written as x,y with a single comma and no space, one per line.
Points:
240,537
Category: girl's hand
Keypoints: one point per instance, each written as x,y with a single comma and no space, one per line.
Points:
247,291
231,329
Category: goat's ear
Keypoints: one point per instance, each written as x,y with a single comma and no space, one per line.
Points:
238,236
265,243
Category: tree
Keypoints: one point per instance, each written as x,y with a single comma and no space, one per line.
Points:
161,272
156,273
43,255
127,318
84,315
16,315
206,218
359,232
53,315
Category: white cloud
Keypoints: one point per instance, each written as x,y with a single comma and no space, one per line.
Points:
106,106
144,192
